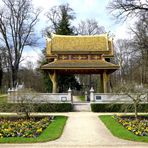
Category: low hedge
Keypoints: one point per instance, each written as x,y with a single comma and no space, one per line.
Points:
106,107
43,107
54,107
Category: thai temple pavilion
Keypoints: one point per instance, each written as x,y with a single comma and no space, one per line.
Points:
80,55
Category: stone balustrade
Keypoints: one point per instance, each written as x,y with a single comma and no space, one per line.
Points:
15,96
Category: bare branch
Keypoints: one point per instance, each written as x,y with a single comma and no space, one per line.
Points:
89,27
122,9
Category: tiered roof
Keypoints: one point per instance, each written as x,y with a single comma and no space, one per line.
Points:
81,65
75,54
80,44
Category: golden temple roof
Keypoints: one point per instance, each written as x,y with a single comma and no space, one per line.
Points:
80,64
92,43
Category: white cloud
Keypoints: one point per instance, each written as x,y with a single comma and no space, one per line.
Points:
45,4
31,55
122,31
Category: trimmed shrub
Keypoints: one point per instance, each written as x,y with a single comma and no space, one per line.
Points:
106,107
53,107
42,107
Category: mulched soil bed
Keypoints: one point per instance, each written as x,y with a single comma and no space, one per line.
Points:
132,117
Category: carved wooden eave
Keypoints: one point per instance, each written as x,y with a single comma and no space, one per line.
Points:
83,66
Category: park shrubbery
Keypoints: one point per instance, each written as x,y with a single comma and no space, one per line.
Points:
42,107
106,107
54,107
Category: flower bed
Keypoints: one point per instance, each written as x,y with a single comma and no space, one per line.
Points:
22,127
138,127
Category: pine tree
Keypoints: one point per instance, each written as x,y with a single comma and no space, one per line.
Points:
62,26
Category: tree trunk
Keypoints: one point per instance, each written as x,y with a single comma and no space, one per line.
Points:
27,115
53,78
1,77
136,113
14,77
1,74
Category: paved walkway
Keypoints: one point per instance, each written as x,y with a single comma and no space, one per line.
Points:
83,129
76,99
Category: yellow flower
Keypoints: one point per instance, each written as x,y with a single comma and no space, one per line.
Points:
136,133
129,128
7,129
39,130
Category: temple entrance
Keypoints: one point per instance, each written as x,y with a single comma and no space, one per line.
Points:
81,101
80,55
86,81
82,97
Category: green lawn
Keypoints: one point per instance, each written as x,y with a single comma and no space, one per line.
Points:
52,132
82,98
119,131
3,98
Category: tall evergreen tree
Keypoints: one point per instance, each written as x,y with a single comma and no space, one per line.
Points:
61,17
64,26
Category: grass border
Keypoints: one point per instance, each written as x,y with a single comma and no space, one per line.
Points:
119,131
52,132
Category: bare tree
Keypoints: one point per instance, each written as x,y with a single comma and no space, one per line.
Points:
89,27
17,21
138,60
122,9
31,78
140,45
25,102
123,57
136,93
133,62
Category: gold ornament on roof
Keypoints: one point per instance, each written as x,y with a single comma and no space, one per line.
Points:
79,57
96,57
64,57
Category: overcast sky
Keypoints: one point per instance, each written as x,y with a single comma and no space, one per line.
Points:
84,9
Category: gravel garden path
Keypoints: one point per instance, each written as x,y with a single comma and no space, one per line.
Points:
83,129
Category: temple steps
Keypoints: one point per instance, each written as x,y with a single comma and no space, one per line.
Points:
81,107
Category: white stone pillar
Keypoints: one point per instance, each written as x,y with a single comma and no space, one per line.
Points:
92,94
86,94
16,95
9,96
70,95
13,95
